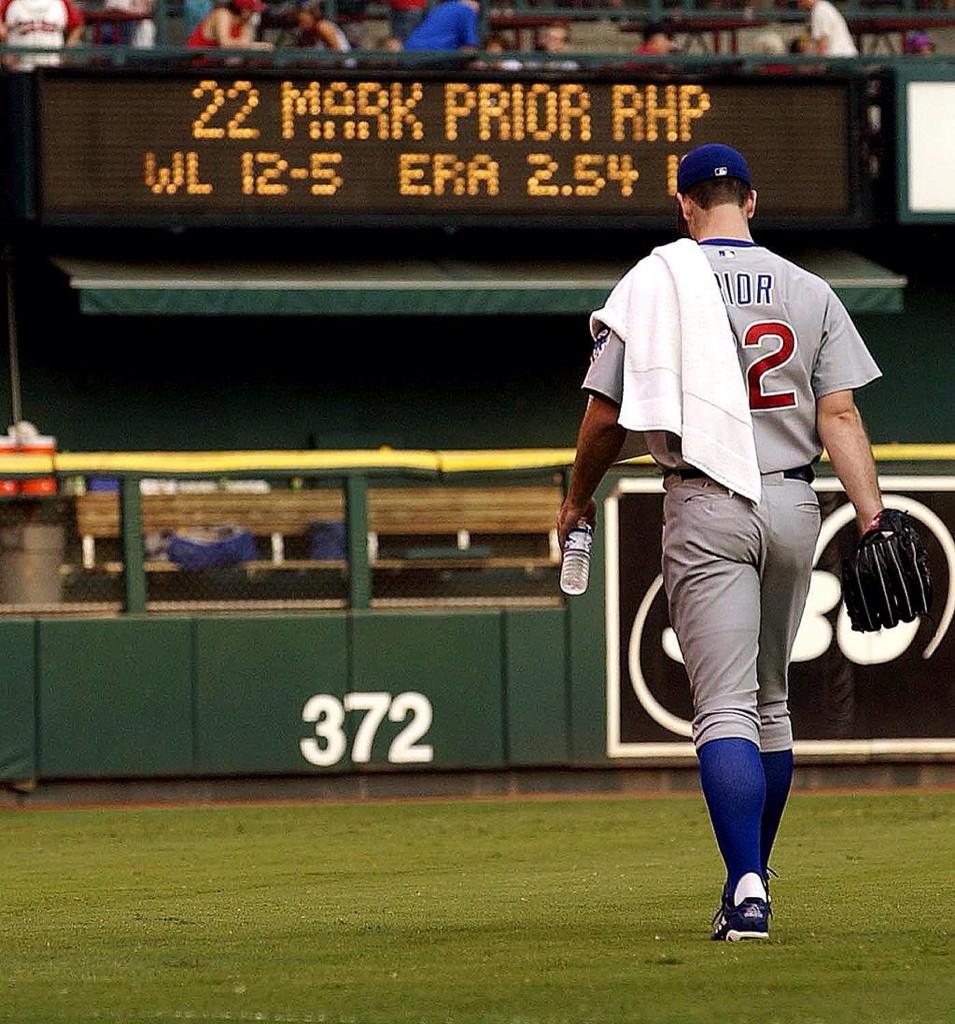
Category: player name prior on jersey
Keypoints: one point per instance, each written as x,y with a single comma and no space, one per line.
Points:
745,289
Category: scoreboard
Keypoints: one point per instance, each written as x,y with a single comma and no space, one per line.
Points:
228,145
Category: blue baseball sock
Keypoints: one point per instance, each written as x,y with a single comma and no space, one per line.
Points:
735,790
778,769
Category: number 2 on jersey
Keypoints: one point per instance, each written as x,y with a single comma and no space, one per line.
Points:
769,330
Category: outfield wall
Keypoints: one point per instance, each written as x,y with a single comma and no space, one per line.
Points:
138,697
596,681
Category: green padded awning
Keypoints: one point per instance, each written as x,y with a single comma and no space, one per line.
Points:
406,287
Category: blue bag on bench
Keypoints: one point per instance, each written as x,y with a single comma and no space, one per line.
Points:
326,540
213,549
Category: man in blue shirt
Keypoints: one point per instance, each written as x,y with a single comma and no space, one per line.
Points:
452,25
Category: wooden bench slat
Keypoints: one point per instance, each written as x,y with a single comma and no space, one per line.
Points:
98,515
488,562
115,568
412,511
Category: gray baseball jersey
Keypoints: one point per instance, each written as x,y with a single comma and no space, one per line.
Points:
737,575
796,343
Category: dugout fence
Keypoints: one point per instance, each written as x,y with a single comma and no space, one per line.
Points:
235,532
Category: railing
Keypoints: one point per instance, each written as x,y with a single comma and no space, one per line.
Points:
178,58
875,18
168,12
694,17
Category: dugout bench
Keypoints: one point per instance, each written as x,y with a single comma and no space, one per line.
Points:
415,528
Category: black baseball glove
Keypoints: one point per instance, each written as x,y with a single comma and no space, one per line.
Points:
887,579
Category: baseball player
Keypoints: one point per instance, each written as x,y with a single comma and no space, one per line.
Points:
736,573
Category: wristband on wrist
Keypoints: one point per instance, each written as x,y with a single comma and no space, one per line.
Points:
876,522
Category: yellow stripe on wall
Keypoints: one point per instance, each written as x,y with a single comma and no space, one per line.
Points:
452,461
15,463
914,452
243,462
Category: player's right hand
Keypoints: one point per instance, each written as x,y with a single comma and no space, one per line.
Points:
571,512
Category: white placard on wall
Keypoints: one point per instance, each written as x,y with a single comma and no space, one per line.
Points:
931,146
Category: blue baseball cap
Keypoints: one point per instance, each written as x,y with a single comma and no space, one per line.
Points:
714,160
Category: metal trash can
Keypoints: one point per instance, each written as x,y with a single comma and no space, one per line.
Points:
30,560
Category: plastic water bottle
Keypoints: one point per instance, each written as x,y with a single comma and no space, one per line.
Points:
575,566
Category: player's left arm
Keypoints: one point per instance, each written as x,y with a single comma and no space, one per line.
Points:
842,431
598,446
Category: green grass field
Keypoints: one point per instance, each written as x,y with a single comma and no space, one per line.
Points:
515,912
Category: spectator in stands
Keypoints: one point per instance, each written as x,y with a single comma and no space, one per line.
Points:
452,25
229,27
554,39
498,44
801,45
406,16
657,41
350,15
314,30
918,43
139,33
39,23
828,29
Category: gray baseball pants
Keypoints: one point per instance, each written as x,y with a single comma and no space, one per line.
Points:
736,577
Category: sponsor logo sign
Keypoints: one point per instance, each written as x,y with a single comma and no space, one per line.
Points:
874,694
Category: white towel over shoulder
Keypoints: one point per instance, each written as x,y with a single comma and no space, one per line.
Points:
681,368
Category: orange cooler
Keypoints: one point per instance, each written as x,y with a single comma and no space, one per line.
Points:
41,485
8,446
